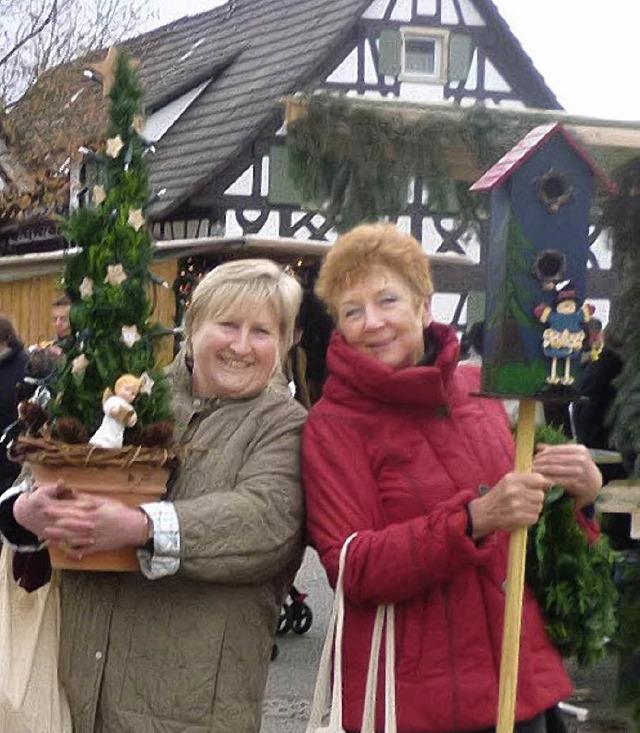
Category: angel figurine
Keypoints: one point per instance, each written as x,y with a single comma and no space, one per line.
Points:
118,412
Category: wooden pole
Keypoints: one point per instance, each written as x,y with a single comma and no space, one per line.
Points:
515,581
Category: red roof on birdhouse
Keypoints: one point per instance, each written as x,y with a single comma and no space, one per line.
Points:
527,147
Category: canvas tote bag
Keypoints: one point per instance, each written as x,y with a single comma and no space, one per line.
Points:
31,697
318,722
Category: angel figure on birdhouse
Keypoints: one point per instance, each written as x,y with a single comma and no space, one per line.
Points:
118,412
564,337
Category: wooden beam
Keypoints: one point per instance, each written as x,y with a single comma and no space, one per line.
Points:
622,497
626,138
287,247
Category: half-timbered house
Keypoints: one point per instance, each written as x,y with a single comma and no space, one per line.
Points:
214,88
448,52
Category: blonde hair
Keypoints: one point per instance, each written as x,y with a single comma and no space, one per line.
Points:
121,381
255,281
355,253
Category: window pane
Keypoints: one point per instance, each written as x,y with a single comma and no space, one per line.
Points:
420,55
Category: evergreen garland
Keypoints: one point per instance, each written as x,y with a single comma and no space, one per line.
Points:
354,164
629,641
106,238
572,579
622,214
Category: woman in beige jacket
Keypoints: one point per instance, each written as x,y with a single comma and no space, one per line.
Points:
184,645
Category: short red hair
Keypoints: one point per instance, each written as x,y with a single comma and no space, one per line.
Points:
355,253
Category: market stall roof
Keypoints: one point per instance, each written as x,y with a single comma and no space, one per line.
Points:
20,267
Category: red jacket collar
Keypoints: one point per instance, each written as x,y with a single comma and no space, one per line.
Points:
356,377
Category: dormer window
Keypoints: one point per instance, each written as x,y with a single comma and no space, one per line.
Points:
428,55
85,174
424,54
421,56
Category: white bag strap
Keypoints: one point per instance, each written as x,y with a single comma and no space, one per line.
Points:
390,724
333,644
383,613
332,648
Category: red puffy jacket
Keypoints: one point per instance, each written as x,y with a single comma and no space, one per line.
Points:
396,455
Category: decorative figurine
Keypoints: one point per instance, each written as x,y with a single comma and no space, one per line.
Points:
118,412
566,333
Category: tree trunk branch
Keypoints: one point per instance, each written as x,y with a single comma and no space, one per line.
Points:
32,34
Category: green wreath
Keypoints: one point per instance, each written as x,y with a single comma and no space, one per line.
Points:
571,578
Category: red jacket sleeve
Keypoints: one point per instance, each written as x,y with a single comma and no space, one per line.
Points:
386,563
590,526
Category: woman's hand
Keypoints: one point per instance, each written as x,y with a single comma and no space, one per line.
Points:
570,465
94,524
32,509
515,501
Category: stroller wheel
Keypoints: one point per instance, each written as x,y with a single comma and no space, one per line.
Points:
303,619
285,622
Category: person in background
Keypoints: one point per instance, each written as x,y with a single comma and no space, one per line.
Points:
60,316
185,643
590,414
296,370
590,421
398,451
13,361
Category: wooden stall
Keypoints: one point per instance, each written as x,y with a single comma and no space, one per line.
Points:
30,283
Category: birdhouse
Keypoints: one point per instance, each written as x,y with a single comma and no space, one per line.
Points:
536,322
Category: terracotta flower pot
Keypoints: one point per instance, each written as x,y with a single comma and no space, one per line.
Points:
132,485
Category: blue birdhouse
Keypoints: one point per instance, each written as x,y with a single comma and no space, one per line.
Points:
536,323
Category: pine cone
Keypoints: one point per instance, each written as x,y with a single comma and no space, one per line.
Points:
70,430
33,416
158,435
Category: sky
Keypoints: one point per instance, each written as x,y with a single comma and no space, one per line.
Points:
583,49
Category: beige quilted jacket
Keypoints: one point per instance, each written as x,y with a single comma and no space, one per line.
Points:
189,653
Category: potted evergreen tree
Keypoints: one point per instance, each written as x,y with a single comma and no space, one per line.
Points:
109,427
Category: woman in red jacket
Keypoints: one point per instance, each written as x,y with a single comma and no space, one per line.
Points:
398,451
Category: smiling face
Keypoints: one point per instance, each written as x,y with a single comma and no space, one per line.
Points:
382,317
236,353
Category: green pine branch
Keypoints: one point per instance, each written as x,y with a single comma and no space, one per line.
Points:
572,579
622,214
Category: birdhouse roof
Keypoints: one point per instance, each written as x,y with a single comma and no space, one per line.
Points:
527,147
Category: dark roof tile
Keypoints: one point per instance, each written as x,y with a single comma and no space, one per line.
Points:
284,43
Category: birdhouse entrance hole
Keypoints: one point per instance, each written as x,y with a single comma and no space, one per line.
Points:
554,191
549,268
